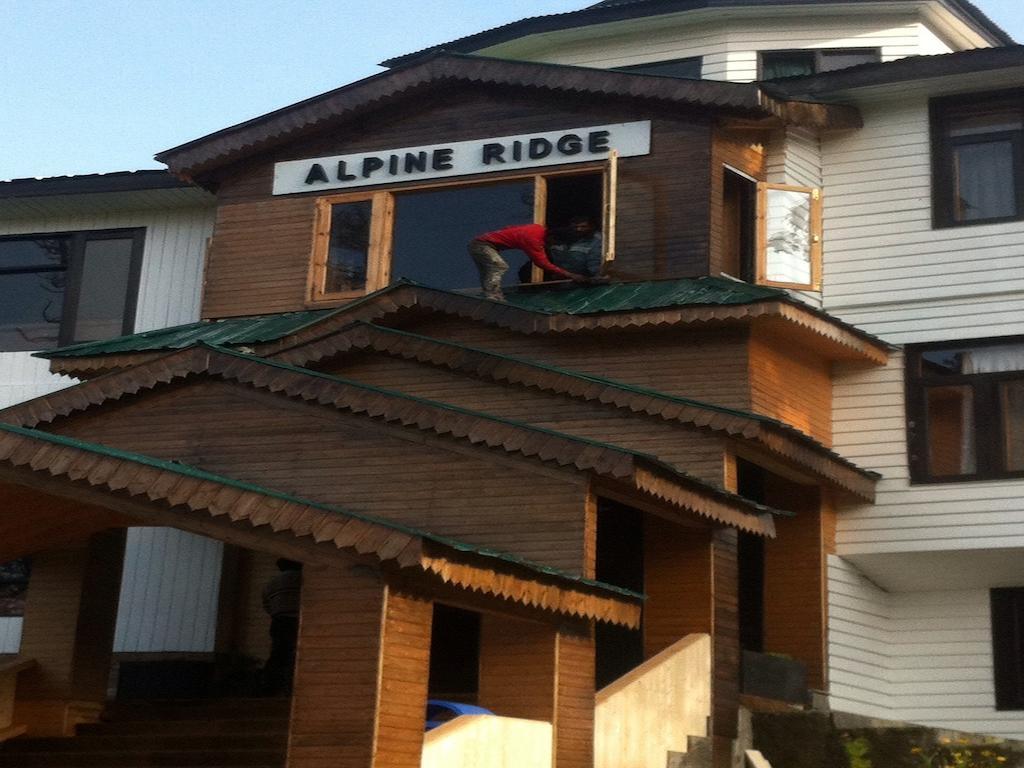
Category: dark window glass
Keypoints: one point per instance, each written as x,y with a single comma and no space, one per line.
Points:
432,229
978,161
349,247
965,410
103,289
686,68
64,288
831,60
775,64
1008,647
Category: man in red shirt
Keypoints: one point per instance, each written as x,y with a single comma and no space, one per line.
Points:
531,239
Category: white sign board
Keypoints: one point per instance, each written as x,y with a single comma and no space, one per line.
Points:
462,158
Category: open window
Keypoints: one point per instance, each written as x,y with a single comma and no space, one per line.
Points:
789,236
365,241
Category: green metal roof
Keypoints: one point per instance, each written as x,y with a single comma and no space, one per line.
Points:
576,300
187,470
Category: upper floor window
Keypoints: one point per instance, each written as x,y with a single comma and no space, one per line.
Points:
368,240
1008,647
776,64
63,288
965,410
689,68
978,158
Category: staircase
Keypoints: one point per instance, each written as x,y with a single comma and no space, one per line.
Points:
235,733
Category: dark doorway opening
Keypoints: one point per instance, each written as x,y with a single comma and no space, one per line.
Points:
739,214
574,195
454,655
620,562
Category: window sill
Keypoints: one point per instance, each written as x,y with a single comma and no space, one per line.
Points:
988,478
976,222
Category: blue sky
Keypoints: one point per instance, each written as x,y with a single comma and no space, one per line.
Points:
103,85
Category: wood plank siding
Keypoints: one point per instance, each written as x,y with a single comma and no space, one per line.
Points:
262,245
697,453
726,637
517,667
708,365
361,673
574,697
431,483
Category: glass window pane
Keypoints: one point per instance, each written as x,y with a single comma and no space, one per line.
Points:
984,182
1011,401
686,68
954,361
432,230
979,118
349,247
841,59
788,237
951,434
31,310
41,252
103,293
788,64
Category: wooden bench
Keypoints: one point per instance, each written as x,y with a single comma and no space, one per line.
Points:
9,669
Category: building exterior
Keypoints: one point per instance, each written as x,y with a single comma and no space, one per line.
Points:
790,424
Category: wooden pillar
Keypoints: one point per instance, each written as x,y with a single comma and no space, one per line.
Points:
540,672
677,582
796,577
70,615
361,672
725,689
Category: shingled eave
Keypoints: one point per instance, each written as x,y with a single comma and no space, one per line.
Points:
53,458
780,439
201,156
546,446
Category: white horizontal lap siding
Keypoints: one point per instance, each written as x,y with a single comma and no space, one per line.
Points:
168,592
170,580
883,257
941,663
729,48
869,428
858,642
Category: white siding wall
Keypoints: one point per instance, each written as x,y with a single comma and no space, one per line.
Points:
919,657
730,48
173,575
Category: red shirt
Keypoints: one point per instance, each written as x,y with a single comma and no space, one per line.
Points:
528,238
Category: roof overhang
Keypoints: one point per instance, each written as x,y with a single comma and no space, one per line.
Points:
196,159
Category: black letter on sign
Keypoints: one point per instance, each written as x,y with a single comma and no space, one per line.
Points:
517,150
442,159
393,165
597,141
539,148
415,162
570,144
343,174
493,152
316,173
371,164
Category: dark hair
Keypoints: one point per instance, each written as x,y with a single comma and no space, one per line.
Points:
284,564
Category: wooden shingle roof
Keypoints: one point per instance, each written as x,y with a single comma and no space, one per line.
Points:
43,460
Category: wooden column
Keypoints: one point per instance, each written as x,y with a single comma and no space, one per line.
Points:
70,614
540,672
361,672
725,689
574,697
796,577
677,582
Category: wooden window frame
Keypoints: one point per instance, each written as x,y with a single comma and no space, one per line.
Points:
1007,607
816,53
761,234
79,239
382,219
942,145
986,412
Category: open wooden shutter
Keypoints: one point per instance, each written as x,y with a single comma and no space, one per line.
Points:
789,236
611,188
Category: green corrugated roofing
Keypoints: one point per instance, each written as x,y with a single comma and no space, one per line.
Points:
581,300
187,470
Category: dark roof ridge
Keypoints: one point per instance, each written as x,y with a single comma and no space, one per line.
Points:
602,13
188,470
92,183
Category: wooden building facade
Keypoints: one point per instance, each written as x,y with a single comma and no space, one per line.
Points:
512,503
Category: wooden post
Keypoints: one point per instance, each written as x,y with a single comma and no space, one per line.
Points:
70,614
361,672
574,697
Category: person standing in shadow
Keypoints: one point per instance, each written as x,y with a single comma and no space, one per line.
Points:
281,601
